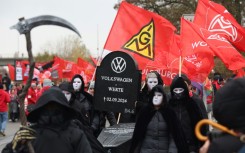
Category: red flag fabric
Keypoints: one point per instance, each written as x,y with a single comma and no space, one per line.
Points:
196,66
171,69
239,73
144,35
11,71
208,42
57,67
86,67
215,18
69,69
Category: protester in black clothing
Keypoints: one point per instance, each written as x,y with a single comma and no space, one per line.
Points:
152,79
68,91
83,97
157,127
6,81
96,146
187,110
52,130
195,97
102,115
228,110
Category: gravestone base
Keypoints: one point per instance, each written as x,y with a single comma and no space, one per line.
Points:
117,138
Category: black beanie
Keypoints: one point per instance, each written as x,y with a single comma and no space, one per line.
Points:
229,104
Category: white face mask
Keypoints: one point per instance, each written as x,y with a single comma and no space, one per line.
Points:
151,82
67,95
157,99
77,83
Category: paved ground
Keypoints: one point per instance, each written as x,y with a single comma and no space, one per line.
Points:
11,128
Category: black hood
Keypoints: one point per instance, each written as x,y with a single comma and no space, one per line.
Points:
229,104
80,77
179,82
52,95
66,86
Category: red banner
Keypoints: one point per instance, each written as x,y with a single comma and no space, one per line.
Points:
144,35
216,19
11,71
232,59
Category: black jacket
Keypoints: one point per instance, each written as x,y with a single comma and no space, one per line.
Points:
145,116
86,101
188,112
55,133
144,93
225,143
81,120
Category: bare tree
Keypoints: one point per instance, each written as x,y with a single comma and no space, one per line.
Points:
68,48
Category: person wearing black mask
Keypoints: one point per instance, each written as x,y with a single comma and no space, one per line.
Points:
52,129
187,110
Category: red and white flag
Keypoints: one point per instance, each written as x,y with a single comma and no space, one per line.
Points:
215,18
205,42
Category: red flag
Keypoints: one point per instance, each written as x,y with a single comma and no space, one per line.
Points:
57,67
69,69
215,18
196,66
239,73
86,67
11,72
172,59
144,35
232,59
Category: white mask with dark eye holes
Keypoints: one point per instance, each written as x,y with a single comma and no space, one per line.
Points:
77,83
157,98
67,95
151,82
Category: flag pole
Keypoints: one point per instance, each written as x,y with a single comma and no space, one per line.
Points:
118,119
180,66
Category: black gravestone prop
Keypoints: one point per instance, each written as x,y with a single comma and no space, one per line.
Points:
117,138
117,83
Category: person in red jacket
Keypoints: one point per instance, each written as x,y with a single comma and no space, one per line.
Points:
4,99
31,97
47,83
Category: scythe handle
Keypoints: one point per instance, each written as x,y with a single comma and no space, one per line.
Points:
22,96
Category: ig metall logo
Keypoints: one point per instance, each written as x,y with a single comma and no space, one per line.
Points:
118,64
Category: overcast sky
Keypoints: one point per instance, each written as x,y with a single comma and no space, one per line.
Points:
92,18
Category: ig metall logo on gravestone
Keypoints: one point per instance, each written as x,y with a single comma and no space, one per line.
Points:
118,65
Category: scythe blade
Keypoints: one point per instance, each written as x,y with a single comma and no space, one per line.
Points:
26,25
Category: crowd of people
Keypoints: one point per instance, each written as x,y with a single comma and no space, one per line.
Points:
62,116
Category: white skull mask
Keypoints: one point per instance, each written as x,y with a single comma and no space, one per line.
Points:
157,99
151,82
77,83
